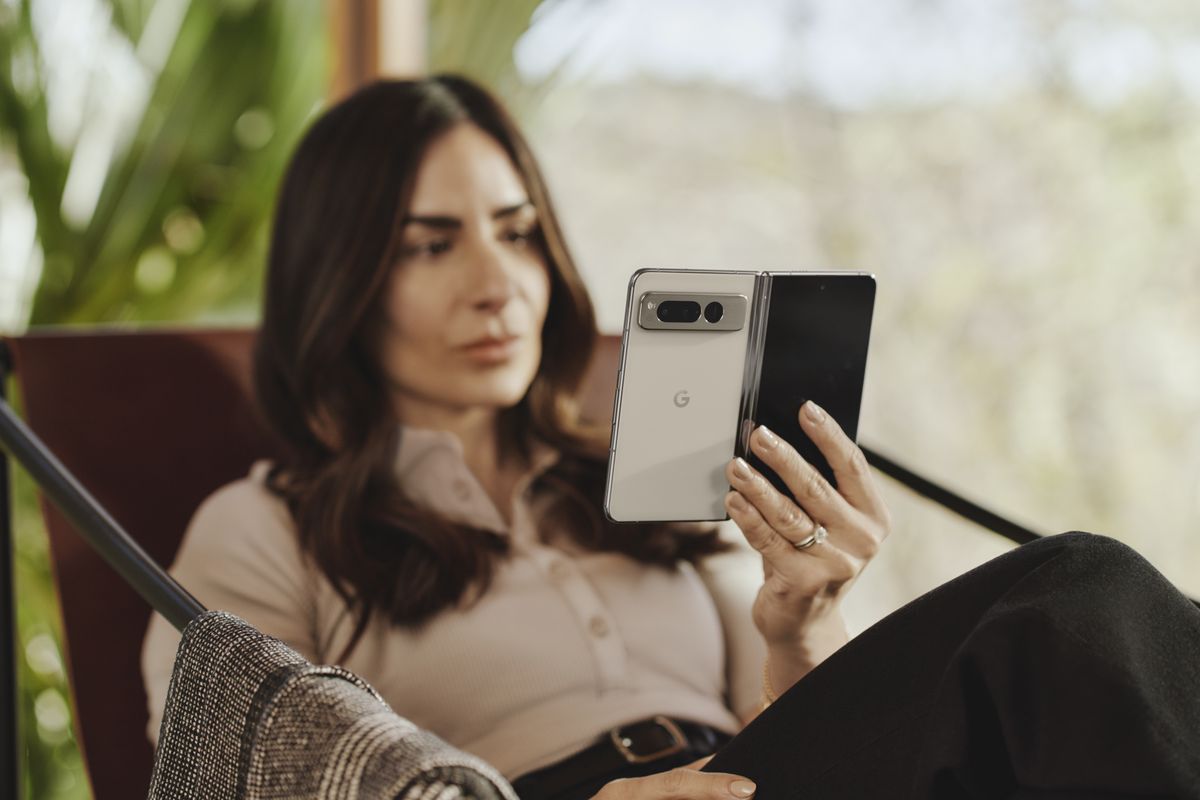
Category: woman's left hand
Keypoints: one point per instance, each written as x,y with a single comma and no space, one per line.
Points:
797,610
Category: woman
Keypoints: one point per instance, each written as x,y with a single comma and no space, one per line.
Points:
433,523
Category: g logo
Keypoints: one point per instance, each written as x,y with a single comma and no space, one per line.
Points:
682,399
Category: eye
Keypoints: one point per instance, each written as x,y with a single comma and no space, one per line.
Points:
430,249
521,237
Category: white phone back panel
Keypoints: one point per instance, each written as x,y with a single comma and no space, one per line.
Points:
667,459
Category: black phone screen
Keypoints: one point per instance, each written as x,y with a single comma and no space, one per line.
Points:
814,348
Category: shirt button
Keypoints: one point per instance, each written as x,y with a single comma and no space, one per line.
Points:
598,626
461,490
560,570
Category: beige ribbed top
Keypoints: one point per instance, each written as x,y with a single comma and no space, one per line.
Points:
565,644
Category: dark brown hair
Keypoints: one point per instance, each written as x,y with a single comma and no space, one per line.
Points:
320,389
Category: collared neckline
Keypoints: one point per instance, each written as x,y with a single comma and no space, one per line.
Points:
432,471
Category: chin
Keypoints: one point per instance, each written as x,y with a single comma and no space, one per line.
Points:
499,391
506,386
508,396
498,387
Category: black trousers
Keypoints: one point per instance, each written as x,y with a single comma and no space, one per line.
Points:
1066,668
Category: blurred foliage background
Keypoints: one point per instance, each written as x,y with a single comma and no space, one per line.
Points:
140,148
1022,176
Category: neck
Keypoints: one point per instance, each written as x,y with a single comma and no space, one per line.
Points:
479,431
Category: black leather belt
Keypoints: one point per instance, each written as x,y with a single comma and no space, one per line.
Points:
638,748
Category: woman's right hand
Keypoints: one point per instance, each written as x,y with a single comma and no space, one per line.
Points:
681,783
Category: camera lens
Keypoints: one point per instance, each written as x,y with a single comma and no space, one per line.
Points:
678,311
713,312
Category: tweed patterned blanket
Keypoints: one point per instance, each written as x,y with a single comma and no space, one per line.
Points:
248,717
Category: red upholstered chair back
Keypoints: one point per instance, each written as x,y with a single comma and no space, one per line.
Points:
150,422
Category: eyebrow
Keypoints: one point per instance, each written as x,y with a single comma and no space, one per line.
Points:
444,221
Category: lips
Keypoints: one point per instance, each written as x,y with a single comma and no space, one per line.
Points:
490,341
493,350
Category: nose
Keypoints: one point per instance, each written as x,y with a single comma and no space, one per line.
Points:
493,284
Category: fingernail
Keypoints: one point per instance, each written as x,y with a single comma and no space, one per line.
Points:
814,412
769,439
741,468
742,788
737,501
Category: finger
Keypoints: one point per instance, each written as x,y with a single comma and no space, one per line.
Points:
833,567
811,491
761,536
699,762
778,510
853,531
854,477
689,784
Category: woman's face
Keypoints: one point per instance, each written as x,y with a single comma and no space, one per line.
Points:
466,300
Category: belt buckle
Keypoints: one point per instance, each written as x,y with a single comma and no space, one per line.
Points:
678,744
